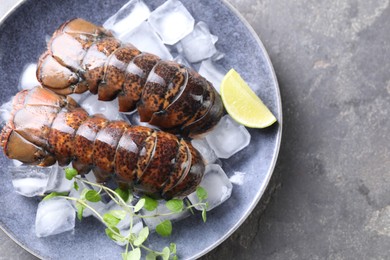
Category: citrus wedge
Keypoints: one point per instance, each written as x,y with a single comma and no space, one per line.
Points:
242,104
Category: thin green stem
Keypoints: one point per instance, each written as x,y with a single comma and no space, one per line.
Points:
117,199
127,247
150,250
93,210
85,205
129,209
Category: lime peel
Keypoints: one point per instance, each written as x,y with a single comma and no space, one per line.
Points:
242,104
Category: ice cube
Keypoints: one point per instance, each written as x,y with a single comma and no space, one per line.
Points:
57,181
16,163
92,178
172,21
132,14
217,185
198,45
214,38
54,216
5,112
228,137
180,59
144,38
217,56
109,109
237,178
28,79
152,222
79,98
30,180
212,73
204,149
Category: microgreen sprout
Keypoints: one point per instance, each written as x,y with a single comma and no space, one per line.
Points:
129,206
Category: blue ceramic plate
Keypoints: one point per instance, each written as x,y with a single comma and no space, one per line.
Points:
22,40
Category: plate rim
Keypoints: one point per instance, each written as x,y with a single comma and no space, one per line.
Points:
275,156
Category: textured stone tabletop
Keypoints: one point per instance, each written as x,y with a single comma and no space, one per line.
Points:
330,194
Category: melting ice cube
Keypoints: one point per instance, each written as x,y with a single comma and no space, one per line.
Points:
28,79
29,180
172,21
237,178
180,59
199,44
144,38
132,14
57,181
54,216
162,209
5,112
212,73
92,178
80,97
109,109
203,147
228,137
217,185
218,56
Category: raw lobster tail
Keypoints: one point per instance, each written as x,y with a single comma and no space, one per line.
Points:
45,128
82,56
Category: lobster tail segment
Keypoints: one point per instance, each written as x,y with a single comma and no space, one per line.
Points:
82,56
24,137
44,128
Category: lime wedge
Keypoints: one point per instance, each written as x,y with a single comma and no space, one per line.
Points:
242,104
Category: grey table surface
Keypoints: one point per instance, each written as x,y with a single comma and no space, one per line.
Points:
329,197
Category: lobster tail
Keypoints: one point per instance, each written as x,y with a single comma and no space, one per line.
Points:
45,127
82,56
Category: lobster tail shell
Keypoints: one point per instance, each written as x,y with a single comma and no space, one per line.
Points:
45,127
82,56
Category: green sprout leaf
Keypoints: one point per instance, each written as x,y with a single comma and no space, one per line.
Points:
201,193
172,248
142,236
132,255
175,257
188,206
151,256
70,173
204,217
83,192
54,194
93,196
80,209
120,214
175,205
150,204
164,229
165,253
124,194
113,235
110,219
76,185
139,205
